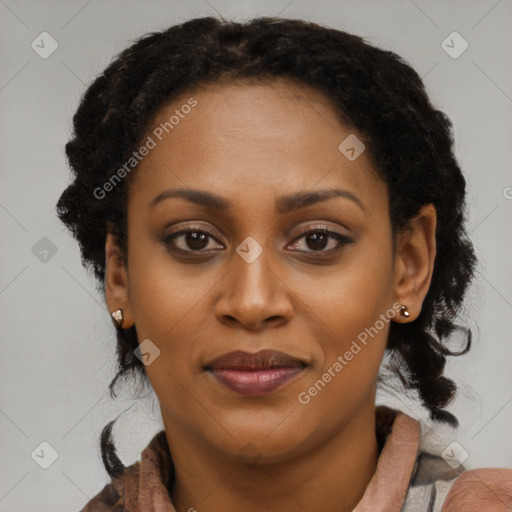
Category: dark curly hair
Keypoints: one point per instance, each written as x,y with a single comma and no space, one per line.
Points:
373,91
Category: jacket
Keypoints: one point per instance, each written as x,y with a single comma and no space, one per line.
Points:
406,479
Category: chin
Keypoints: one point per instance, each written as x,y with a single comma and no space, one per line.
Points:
254,445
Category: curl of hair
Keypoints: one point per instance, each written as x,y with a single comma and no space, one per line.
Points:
373,91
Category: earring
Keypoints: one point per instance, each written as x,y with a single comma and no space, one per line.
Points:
404,311
117,317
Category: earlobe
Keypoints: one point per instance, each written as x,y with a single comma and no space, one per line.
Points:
116,282
414,262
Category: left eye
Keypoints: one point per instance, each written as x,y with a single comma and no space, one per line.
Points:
318,239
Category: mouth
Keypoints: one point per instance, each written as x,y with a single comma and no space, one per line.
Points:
255,374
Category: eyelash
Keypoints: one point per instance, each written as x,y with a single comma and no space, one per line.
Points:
341,239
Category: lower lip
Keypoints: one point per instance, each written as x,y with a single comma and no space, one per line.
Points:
258,382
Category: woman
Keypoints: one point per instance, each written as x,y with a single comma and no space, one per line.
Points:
270,208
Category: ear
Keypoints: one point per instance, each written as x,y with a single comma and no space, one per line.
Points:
116,282
414,262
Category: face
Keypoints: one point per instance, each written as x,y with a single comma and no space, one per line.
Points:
274,259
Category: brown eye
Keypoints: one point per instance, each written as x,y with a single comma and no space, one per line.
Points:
189,240
316,240
196,240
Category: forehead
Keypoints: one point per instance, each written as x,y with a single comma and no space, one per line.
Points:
251,138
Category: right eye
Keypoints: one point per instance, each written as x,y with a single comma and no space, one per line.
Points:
190,240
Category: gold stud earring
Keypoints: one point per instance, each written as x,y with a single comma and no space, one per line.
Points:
404,312
117,317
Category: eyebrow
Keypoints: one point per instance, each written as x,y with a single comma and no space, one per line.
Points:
284,204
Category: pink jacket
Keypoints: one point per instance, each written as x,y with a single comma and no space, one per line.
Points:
406,480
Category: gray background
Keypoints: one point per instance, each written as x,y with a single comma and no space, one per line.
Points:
57,337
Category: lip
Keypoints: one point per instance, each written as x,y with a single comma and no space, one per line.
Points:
255,374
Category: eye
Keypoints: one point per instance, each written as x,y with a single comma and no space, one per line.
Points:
318,239
198,240
191,240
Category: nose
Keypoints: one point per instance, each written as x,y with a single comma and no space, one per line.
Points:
254,296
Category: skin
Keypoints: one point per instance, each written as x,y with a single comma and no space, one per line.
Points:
252,143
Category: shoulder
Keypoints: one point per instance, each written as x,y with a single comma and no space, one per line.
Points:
488,489
119,495
436,487
107,500
138,483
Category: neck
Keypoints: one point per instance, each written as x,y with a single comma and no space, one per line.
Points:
332,477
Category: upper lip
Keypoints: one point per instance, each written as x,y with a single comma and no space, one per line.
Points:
262,360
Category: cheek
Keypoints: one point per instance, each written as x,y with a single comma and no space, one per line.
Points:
353,307
350,355
168,311
353,295
163,292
